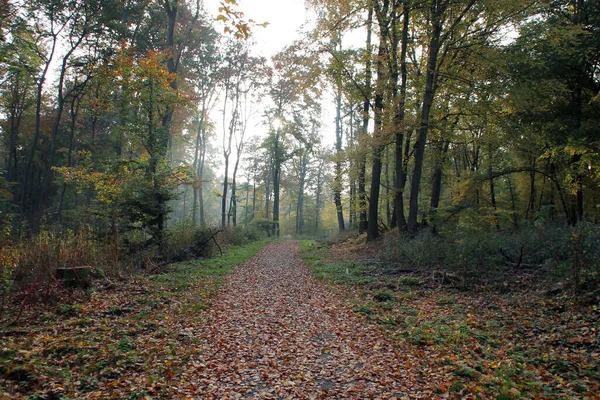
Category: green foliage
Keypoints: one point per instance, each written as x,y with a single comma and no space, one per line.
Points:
241,235
478,257
424,249
383,295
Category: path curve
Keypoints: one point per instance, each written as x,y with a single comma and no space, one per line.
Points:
274,331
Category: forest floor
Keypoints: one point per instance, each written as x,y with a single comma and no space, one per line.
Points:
274,328
483,343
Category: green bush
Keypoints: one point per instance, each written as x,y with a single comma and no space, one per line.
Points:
424,250
261,226
240,235
478,256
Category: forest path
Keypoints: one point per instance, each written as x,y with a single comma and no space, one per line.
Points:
275,331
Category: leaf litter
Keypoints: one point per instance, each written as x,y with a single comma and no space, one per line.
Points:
277,332
270,331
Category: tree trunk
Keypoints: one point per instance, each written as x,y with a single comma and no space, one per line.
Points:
300,202
74,112
28,173
400,171
531,202
373,216
276,182
436,184
337,183
362,192
428,96
388,209
224,195
197,159
493,193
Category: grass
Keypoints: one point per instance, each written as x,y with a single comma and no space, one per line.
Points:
130,338
476,345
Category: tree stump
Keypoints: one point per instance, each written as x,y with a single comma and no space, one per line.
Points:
76,277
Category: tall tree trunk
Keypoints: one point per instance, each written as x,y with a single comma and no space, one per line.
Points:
276,183
318,194
436,182
428,96
513,203
224,194
531,201
28,173
493,193
362,164
300,202
17,108
247,200
388,209
400,171
196,163
337,182
253,195
74,111
437,11
352,177
373,216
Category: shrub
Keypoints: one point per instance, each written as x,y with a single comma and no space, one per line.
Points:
185,240
492,256
240,235
29,266
424,250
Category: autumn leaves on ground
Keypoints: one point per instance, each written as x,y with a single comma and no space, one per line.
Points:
332,326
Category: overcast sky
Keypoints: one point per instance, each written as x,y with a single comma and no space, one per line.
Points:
285,17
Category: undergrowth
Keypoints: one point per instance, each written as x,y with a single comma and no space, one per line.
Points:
550,253
131,336
479,344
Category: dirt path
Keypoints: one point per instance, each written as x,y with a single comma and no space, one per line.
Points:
274,331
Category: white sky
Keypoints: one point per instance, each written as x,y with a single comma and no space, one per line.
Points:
285,18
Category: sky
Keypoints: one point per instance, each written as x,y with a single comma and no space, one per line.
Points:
285,18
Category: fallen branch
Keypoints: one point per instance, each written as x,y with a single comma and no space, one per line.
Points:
214,240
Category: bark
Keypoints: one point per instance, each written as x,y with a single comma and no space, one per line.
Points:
401,162
388,210
17,107
27,175
428,96
373,216
437,12
276,188
531,202
337,184
319,190
513,202
198,163
74,111
436,187
300,203
253,194
493,193
362,164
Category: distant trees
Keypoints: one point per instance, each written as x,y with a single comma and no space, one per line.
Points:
450,111
465,93
105,118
